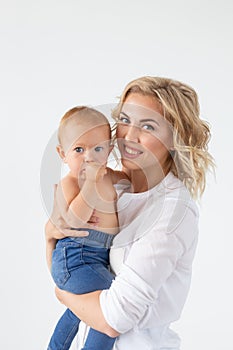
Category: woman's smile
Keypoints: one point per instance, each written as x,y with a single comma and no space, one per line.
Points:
144,136
131,152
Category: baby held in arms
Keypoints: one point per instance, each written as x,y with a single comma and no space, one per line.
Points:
81,264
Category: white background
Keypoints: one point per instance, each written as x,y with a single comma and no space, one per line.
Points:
57,54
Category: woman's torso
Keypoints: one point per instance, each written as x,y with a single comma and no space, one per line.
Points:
139,214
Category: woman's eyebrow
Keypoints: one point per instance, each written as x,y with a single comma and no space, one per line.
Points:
142,120
149,120
124,114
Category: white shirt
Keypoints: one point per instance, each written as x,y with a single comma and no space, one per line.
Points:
152,258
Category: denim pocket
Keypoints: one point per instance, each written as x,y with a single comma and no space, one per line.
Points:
59,269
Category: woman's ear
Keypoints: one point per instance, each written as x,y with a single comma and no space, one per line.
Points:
172,152
61,153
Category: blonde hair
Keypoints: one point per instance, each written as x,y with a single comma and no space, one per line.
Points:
83,113
191,135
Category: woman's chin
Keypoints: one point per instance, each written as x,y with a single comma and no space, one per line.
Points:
130,164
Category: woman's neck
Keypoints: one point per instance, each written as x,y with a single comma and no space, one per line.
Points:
142,181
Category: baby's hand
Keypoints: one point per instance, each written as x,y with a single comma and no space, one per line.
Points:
94,171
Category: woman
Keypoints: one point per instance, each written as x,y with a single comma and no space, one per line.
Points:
163,147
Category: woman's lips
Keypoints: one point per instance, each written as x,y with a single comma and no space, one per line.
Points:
131,152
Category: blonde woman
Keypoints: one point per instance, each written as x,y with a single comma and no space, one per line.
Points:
163,147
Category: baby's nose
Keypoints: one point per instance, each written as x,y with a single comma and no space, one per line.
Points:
89,156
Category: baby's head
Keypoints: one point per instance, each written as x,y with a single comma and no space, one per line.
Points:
78,121
84,132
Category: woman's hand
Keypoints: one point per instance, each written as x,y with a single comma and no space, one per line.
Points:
56,228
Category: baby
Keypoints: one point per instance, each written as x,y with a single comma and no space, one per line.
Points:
80,264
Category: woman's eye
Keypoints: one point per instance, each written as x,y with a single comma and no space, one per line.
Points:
148,127
99,149
79,149
124,120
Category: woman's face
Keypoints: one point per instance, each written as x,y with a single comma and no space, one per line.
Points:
144,136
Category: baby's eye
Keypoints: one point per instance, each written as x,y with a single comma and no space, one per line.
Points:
79,149
99,148
148,127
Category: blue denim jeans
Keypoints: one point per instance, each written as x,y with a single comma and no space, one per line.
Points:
80,265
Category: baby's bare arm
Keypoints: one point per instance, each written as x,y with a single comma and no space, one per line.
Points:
76,211
76,205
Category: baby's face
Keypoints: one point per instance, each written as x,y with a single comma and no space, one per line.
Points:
86,144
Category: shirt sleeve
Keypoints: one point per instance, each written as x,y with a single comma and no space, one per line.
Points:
152,259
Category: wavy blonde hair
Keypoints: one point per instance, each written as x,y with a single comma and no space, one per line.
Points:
191,135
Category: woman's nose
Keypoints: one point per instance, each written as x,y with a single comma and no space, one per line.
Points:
132,133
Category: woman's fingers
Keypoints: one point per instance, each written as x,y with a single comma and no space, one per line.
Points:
72,232
52,232
94,220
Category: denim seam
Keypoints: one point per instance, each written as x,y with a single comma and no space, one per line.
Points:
70,335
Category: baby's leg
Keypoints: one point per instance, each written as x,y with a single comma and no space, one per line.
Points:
65,331
98,341
99,278
80,269
68,324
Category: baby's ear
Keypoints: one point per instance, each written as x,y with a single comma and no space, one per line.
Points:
61,152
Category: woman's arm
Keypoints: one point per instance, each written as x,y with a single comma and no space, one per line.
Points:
134,293
50,241
84,305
